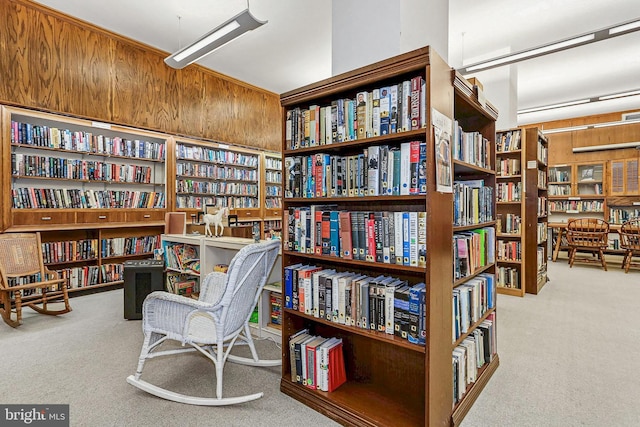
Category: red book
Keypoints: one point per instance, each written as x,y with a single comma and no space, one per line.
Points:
416,85
346,244
337,371
371,238
414,159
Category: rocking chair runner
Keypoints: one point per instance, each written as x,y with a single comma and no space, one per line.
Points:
21,255
210,325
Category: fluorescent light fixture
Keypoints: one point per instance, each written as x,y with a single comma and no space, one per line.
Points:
552,106
595,36
623,122
214,39
543,50
559,130
619,146
634,25
619,95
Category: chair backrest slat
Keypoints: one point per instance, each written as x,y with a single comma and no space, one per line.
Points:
587,232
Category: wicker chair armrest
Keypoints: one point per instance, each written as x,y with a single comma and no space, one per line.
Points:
169,313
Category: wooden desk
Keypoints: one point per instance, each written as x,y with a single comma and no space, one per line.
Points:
561,228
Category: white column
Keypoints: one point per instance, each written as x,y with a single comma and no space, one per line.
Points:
366,31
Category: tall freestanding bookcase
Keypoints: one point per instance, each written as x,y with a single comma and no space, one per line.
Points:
390,381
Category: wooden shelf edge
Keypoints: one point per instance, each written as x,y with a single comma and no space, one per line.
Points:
377,265
463,407
466,278
457,228
63,227
473,327
515,292
98,286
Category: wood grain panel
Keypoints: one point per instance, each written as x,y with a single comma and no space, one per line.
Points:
15,43
89,79
62,64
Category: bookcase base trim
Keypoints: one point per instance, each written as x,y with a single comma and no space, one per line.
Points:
467,402
343,414
510,291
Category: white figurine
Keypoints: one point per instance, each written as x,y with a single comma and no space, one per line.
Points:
215,219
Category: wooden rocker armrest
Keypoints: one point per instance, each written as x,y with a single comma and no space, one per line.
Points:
36,285
50,274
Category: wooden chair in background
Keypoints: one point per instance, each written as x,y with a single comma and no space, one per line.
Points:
587,235
21,256
630,242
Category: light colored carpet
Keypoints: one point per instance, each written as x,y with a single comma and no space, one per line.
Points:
569,357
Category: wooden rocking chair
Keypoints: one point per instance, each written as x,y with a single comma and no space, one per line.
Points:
588,235
21,256
630,242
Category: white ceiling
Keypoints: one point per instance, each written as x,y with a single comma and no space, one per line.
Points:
294,47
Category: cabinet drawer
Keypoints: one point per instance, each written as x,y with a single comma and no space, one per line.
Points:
246,213
90,217
145,215
276,212
42,217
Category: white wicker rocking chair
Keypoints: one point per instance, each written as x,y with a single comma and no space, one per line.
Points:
210,325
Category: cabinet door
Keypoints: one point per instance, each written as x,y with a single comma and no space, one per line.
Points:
624,178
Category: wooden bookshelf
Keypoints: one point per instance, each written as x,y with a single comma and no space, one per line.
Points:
535,224
510,166
390,381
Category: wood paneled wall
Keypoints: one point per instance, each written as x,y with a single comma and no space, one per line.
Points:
562,144
57,63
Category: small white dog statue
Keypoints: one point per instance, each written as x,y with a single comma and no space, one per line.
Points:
217,220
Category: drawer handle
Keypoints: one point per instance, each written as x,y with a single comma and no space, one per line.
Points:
102,217
46,218
147,216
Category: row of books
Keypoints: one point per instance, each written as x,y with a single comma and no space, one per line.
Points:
275,311
542,206
542,232
390,109
204,154
508,223
472,202
475,351
509,191
91,275
378,170
273,177
509,250
316,362
619,215
231,202
182,283
216,187
273,202
119,246
508,167
273,190
508,141
55,167
383,303
471,147
85,142
576,206
71,250
590,189
380,236
182,257
471,301
559,175
559,190
542,179
45,198
473,250
216,171
271,163
508,277
543,153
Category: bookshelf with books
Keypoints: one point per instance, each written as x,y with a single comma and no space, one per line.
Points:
272,190
536,212
217,175
474,353
339,222
83,185
577,189
510,217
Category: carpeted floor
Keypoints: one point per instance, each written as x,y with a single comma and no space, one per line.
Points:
568,356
